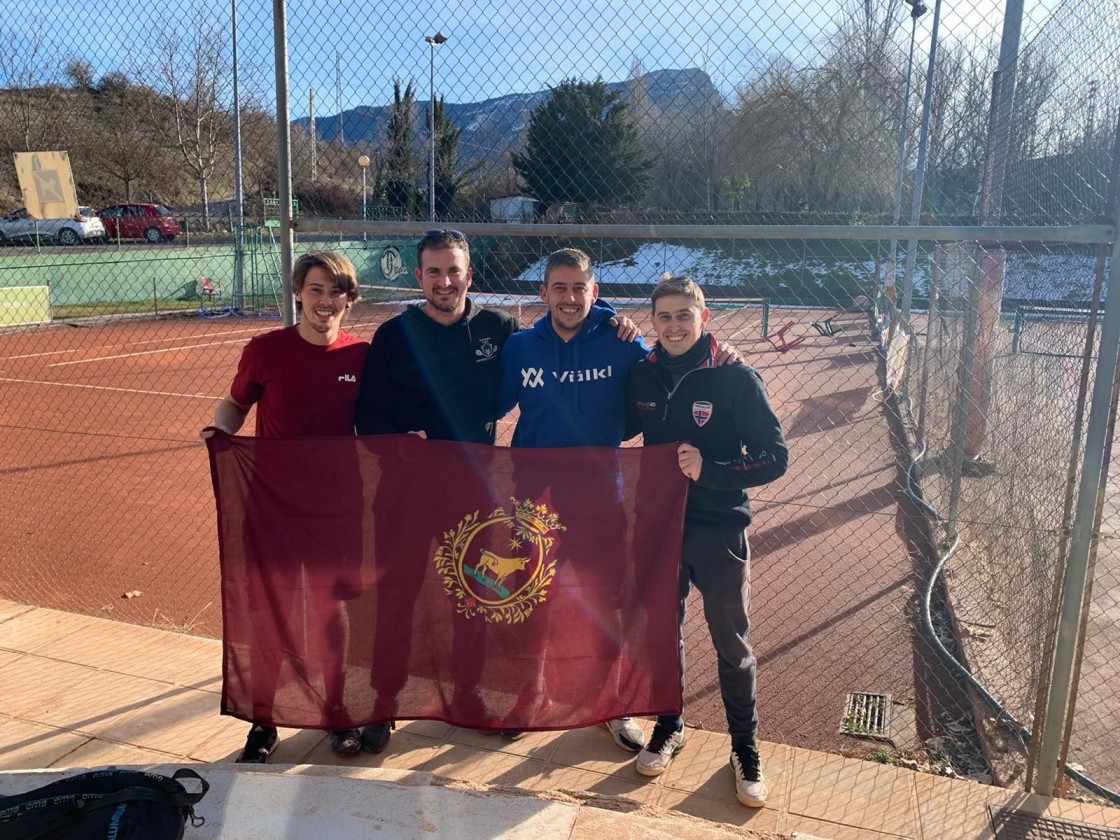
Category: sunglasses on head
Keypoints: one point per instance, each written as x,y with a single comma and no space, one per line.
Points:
454,234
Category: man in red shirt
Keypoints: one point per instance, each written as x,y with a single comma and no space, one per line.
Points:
304,381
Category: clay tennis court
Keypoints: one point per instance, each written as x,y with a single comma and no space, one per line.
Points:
108,508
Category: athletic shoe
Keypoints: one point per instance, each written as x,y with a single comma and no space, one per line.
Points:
661,750
627,734
514,735
259,745
750,787
375,738
346,743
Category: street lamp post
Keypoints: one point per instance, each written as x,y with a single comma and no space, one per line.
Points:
433,42
363,163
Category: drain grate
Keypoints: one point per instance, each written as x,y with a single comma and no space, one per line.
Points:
1009,824
867,715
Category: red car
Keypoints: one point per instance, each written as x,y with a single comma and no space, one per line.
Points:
153,222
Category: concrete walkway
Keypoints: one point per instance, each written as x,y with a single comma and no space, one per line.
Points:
77,691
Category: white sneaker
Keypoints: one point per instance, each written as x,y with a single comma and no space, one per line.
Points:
750,786
627,734
660,751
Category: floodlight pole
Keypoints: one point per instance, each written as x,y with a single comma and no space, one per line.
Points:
917,9
238,191
363,163
284,157
433,42
920,168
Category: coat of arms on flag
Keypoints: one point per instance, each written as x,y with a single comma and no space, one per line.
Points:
701,412
500,587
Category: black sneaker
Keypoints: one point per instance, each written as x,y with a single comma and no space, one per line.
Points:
750,786
259,745
663,746
346,743
375,738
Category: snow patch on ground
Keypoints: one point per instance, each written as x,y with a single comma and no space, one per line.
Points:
1056,276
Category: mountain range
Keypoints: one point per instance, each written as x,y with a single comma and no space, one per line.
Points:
493,128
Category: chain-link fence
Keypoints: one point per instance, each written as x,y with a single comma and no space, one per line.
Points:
764,150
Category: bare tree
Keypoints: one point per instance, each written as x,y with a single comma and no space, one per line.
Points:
130,148
30,95
194,67
822,137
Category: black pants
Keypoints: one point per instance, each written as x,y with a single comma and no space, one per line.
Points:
717,560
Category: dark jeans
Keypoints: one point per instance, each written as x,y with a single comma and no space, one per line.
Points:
717,560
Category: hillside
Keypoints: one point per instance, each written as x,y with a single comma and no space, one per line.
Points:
493,128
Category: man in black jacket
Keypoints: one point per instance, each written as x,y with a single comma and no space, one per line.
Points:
434,368
733,441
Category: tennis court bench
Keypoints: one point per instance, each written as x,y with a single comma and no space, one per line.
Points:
778,340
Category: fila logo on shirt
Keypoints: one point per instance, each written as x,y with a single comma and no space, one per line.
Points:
701,412
347,377
534,377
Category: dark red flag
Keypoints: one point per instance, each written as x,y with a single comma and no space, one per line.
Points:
374,578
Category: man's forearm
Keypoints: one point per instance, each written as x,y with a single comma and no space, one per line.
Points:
230,416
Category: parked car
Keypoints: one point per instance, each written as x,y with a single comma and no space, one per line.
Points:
133,220
84,226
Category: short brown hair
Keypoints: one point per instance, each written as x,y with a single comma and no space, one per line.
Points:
433,240
679,284
338,266
571,257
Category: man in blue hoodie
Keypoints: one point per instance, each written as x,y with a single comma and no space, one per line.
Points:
568,373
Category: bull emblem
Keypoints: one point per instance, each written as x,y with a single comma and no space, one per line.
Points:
479,588
500,567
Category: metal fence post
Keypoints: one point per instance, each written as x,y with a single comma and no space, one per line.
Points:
284,158
1075,578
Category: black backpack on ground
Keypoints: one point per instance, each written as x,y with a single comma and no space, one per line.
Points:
103,805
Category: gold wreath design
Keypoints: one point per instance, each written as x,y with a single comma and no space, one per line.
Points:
448,559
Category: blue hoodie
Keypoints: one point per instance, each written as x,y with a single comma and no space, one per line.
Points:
571,393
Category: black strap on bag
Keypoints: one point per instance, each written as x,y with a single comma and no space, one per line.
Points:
81,807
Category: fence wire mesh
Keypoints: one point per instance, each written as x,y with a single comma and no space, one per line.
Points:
113,353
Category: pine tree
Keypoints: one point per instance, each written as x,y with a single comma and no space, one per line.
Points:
581,147
450,176
400,160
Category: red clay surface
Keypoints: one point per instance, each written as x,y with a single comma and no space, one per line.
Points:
106,491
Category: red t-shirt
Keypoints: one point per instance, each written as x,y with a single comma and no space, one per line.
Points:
300,389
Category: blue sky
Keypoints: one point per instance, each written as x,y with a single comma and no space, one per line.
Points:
495,47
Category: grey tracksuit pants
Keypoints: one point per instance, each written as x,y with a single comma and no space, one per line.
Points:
716,558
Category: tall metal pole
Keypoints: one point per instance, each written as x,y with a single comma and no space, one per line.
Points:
1075,578
917,9
432,137
1064,674
920,168
339,128
433,42
284,156
314,135
238,193
363,162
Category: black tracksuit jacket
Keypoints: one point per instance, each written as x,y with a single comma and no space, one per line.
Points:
726,414
422,375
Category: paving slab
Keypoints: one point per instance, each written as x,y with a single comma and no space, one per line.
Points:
297,802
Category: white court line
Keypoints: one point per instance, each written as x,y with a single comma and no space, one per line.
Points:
45,353
193,337
143,353
128,344
109,388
